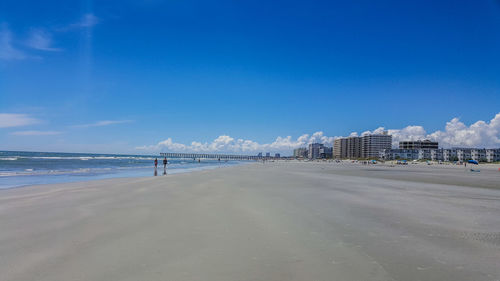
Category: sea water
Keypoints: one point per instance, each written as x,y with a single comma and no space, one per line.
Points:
22,168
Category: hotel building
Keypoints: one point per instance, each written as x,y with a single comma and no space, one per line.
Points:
443,154
366,146
419,144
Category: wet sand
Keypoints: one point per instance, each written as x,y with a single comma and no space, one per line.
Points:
273,221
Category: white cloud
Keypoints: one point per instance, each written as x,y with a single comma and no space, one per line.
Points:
456,133
16,120
226,143
35,133
479,134
379,130
408,133
7,50
102,123
41,40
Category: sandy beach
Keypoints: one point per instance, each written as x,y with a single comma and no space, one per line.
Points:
273,221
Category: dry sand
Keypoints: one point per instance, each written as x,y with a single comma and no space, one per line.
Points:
274,221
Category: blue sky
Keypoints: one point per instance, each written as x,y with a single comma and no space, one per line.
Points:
127,77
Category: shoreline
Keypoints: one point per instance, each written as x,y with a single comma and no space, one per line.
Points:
72,177
357,169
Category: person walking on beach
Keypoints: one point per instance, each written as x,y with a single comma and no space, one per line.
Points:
165,162
156,166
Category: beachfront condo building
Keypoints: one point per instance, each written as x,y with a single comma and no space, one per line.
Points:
419,144
398,153
443,154
492,155
464,154
449,155
340,148
424,154
411,154
349,147
437,154
325,152
300,152
354,147
367,146
314,150
372,144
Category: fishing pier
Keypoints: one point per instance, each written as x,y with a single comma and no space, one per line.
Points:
210,156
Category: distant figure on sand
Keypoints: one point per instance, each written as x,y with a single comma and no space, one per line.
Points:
165,162
156,163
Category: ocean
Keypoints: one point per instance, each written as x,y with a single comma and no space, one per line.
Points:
22,168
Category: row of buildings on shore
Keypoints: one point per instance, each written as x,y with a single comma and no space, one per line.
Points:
379,146
313,151
366,146
442,154
429,150
268,155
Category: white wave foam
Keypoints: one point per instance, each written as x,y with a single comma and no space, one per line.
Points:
171,168
32,172
9,158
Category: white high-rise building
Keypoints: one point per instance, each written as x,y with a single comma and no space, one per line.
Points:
300,152
372,144
366,146
314,150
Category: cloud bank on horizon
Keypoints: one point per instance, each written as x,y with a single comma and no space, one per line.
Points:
455,134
